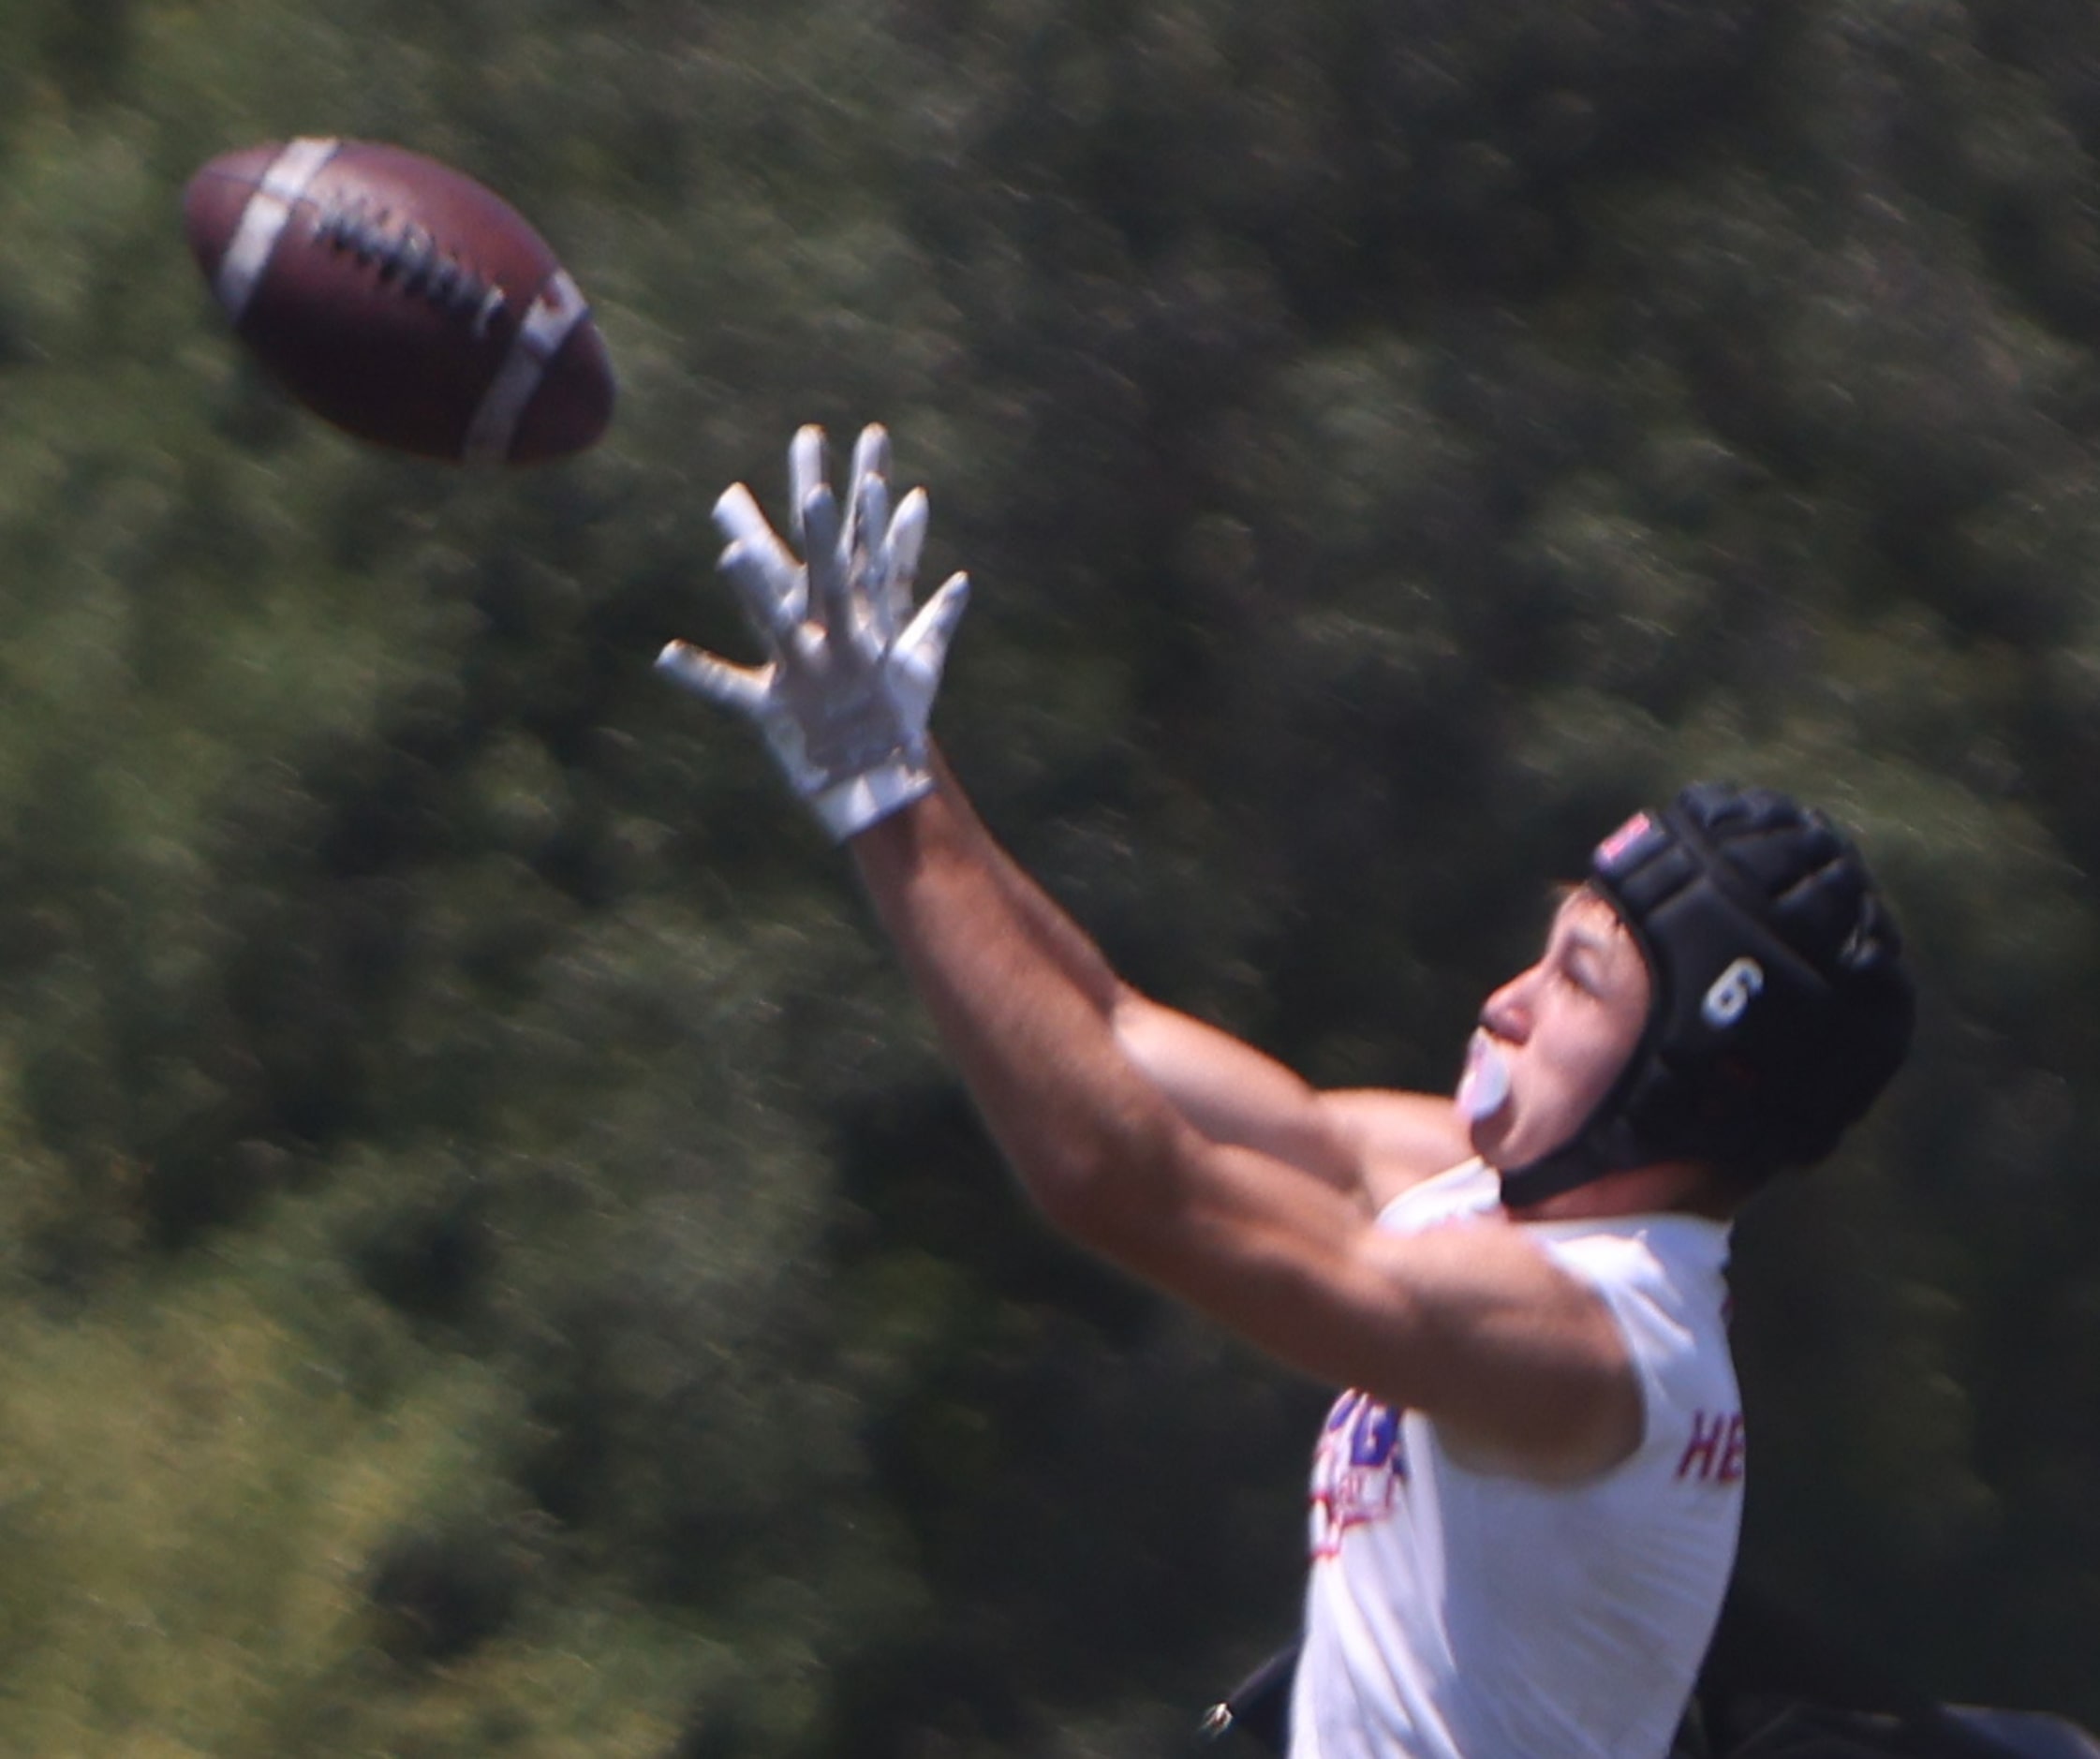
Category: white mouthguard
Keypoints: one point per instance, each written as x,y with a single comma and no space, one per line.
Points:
1484,1082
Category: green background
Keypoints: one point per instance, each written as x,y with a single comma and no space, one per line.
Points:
490,1260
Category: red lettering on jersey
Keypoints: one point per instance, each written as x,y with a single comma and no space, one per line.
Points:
1731,1468
1714,1455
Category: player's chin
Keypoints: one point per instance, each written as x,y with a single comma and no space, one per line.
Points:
1490,1139
1510,1138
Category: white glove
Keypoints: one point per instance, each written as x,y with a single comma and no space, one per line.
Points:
844,698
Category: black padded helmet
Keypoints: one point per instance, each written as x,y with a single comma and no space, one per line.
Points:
1780,1004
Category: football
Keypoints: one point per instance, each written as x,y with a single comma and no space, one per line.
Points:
401,300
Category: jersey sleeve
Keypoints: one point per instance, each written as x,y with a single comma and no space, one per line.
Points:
1650,1310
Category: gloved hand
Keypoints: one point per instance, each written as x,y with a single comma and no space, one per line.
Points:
844,697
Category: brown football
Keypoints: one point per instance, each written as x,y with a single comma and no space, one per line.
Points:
401,300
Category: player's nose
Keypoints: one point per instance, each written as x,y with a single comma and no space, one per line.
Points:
1508,1011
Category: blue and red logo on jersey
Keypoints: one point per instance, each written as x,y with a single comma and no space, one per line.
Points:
1358,1470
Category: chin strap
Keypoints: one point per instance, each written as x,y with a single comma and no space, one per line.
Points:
1565,1168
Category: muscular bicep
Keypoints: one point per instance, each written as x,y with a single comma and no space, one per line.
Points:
1399,1139
1529,1371
1520,1363
1369,1144
1232,1094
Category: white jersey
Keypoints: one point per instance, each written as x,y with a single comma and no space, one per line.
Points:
1459,1614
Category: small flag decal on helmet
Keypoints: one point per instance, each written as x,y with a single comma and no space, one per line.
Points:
1616,846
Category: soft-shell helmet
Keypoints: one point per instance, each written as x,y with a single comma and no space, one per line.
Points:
1780,1002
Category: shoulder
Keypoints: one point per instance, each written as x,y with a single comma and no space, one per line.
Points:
1663,1280
1526,1367
1396,1139
1676,1263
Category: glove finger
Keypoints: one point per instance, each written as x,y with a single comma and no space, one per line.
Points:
871,451
808,469
830,587
922,650
911,673
902,545
742,689
871,458
772,606
739,520
737,517
871,519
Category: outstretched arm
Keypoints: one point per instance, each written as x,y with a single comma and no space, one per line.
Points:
1470,1323
1368,1143
1178,1152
